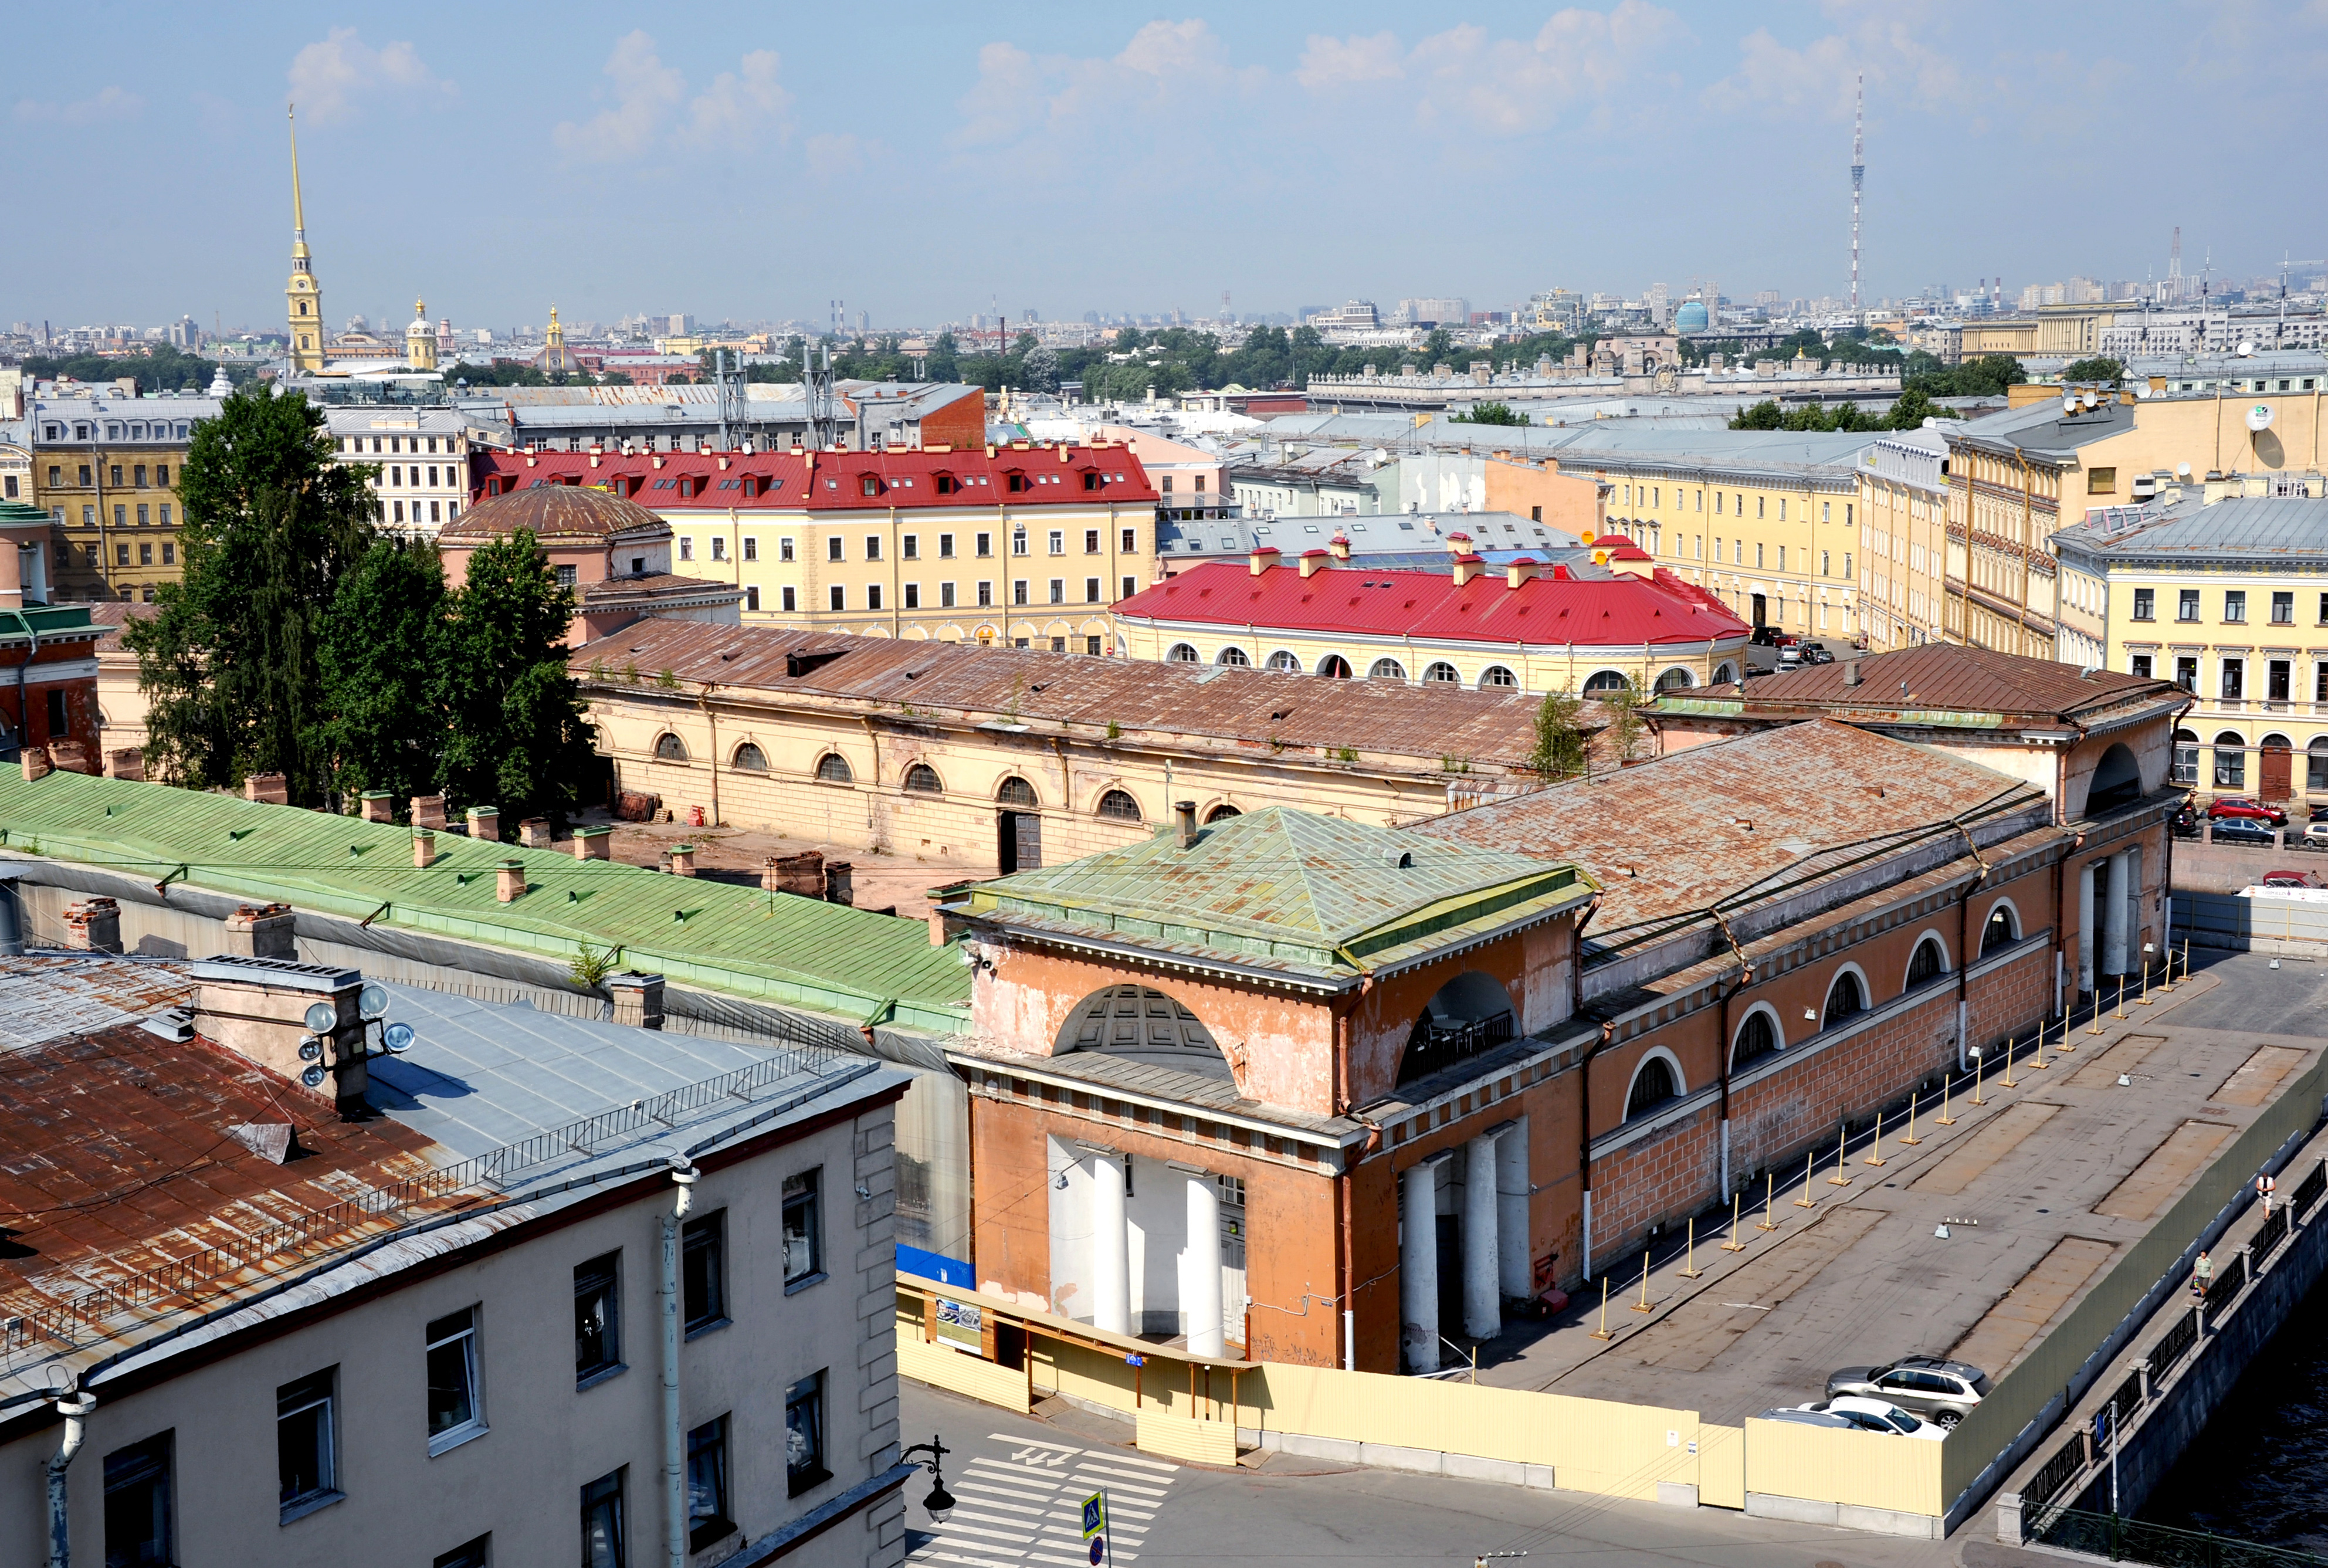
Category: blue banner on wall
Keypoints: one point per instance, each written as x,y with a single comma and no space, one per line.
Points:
924,1265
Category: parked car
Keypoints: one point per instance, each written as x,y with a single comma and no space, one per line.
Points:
1808,1416
1876,1415
1941,1391
2315,835
1790,657
2288,880
2243,831
1815,653
2186,822
1771,637
2253,810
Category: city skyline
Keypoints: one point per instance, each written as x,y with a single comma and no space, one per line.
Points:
746,170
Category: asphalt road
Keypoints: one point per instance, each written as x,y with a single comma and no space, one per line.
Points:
1019,1481
2287,999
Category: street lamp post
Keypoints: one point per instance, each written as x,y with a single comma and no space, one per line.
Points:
940,1502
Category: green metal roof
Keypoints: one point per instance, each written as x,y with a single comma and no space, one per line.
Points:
717,935
44,621
1286,890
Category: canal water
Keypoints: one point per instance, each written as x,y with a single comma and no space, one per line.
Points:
2259,1470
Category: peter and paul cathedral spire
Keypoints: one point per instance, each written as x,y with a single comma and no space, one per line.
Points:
304,296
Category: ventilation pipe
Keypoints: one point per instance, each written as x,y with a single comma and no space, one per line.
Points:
75,1409
1184,812
674,1433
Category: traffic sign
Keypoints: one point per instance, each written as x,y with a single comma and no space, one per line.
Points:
1094,1515
1098,1549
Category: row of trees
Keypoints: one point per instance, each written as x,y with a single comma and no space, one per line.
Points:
155,368
301,641
1907,413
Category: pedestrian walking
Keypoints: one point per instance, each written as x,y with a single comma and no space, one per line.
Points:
2200,1275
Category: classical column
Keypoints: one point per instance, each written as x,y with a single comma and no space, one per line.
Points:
1515,1269
2086,945
1111,1247
2114,916
1200,1290
1483,1304
1418,1266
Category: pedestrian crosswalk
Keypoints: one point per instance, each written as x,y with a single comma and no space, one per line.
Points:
1018,1503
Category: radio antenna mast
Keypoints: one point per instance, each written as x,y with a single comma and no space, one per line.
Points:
1858,176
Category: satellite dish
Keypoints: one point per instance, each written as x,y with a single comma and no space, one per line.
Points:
2259,418
397,1039
322,1017
2070,404
2181,471
2245,350
2088,399
373,1001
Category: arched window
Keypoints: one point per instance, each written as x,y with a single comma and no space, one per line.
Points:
1387,670
1675,680
1845,998
833,768
1496,675
2186,757
1606,683
1181,653
2117,782
1931,962
1222,813
1016,792
1440,672
923,780
1757,1038
750,758
1117,805
1653,1086
1234,656
1284,663
1723,675
2230,760
1334,667
669,748
2002,930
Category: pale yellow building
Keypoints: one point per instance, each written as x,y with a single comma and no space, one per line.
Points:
1903,500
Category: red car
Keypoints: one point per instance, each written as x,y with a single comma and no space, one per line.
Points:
2240,806
2288,879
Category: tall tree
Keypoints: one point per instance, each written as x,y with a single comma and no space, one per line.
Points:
1560,737
231,659
516,736
382,730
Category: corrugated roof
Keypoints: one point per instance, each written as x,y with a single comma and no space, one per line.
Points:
2239,528
558,515
1265,712
1680,833
800,952
1621,611
1978,684
1285,890
901,478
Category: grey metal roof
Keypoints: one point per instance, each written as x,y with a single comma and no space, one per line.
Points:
2239,528
2040,427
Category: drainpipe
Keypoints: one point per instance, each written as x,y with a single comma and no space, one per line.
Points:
1964,948
674,1435
1585,1136
75,1409
2061,915
24,712
703,701
1745,978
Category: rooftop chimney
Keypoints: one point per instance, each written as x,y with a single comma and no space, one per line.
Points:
638,998
93,925
261,931
1467,567
1519,571
1184,815
1340,547
299,1021
424,847
1851,668
1264,556
1313,562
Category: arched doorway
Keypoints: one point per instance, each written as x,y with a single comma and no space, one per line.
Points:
1468,1014
2117,782
2275,780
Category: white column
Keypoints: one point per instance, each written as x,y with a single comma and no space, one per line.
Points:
2086,946
1516,1269
1418,1267
2113,922
1483,1303
1111,1247
1200,1287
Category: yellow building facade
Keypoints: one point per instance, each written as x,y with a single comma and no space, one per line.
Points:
106,469
1903,504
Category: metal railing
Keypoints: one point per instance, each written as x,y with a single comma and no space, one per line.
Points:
2225,1287
84,1316
2174,1346
2308,1192
2269,1235
1446,1041
2055,1473
2124,1540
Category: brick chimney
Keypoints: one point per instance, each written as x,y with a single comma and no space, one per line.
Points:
268,789
683,859
1184,820
379,807
1339,545
839,882
35,762
533,832
261,931
258,1009
1467,567
428,812
508,881
129,764
486,825
638,998
71,756
1313,562
1458,544
801,874
1264,557
1520,571
424,847
93,925
593,843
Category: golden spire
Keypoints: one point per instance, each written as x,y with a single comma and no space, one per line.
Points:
298,209
419,310
303,297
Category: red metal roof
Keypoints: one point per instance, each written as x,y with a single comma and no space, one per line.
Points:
895,477
1619,611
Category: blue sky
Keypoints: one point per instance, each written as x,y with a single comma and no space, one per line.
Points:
919,161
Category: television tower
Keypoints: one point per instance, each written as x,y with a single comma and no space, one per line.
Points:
1858,177
2174,265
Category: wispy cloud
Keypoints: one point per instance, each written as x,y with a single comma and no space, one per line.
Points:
1166,67
108,103
653,109
333,79
1892,45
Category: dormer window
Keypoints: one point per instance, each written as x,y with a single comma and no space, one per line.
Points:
1091,479
1016,483
868,485
946,484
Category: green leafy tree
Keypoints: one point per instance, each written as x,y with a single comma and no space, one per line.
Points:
2100,368
1559,736
1625,726
381,645
157,368
1765,414
1491,413
515,735
231,661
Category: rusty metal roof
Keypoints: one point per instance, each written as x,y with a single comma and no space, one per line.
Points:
1264,711
1940,683
1679,835
557,514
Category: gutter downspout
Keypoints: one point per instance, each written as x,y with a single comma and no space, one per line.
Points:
1964,948
24,712
674,1434
2062,914
1745,978
703,701
75,1409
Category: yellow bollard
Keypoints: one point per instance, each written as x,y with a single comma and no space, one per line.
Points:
1912,1140
1875,1150
2040,1064
1689,1269
1944,1119
1733,1244
2121,997
2143,999
1602,1331
2064,1043
1643,1304
1979,1066
1807,1201
1769,1189
2008,1066
1842,1157
2095,1027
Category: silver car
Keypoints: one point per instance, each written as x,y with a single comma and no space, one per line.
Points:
1942,1392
